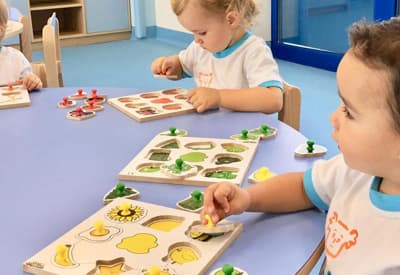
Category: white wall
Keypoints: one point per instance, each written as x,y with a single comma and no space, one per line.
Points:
165,18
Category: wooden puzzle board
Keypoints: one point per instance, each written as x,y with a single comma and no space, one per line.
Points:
189,146
17,97
135,239
153,105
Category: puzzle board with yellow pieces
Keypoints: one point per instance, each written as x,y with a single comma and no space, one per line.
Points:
153,105
205,161
14,96
133,237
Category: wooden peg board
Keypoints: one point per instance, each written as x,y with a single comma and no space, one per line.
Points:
145,167
136,241
153,105
16,97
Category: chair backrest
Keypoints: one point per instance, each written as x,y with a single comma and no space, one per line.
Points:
52,52
25,38
290,113
39,69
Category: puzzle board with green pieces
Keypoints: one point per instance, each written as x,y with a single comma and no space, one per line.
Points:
14,96
132,237
153,105
205,161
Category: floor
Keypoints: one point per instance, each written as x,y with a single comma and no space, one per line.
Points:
127,64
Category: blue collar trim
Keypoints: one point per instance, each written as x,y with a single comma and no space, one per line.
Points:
383,201
233,47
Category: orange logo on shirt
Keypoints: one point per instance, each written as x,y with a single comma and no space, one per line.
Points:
339,236
204,79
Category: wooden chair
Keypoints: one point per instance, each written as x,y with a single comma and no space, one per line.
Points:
52,52
290,113
25,38
39,69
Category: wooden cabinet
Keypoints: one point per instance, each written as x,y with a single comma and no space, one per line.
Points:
81,21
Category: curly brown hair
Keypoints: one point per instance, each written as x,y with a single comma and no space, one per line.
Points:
378,46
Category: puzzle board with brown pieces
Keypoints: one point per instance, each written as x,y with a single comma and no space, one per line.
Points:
132,237
191,161
14,96
153,105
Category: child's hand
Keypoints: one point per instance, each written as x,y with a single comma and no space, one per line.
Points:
224,199
204,98
169,66
31,82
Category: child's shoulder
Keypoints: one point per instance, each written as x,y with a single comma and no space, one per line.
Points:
10,51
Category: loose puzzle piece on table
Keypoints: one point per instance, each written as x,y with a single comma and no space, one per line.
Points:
264,132
153,105
310,150
132,237
120,191
205,161
14,96
260,175
80,114
193,203
228,269
245,136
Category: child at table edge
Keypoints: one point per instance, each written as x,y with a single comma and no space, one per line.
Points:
233,68
14,67
359,188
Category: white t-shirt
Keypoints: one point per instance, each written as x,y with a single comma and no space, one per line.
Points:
246,64
13,65
362,230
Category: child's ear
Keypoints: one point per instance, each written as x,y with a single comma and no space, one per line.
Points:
232,18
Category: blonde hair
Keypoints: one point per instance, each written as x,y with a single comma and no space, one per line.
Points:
3,19
248,9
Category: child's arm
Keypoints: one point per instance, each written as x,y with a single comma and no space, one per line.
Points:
257,99
169,66
283,193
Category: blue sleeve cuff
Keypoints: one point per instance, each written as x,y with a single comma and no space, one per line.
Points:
272,83
185,75
311,193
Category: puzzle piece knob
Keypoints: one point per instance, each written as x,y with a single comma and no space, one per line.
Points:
228,269
121,189
310,146
94,93
264,129
245,134
125,208
154,270
80,92
99,229
172,131
65,100
179,164
210,223
197,196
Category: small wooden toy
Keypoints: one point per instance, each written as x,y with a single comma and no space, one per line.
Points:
173,132
66,103
244,136
310,150
92,106
95,98
193,203
132,237
14,96
261,175
80,94
79,114
211,228
153,105
264,132
228,269
120,191
205,161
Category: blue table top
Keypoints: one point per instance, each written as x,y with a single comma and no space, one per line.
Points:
54,173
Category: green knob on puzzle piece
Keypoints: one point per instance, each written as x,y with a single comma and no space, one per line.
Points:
244,134
197,195
227,269
121,189
172,131
264,128
179,164
310,146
